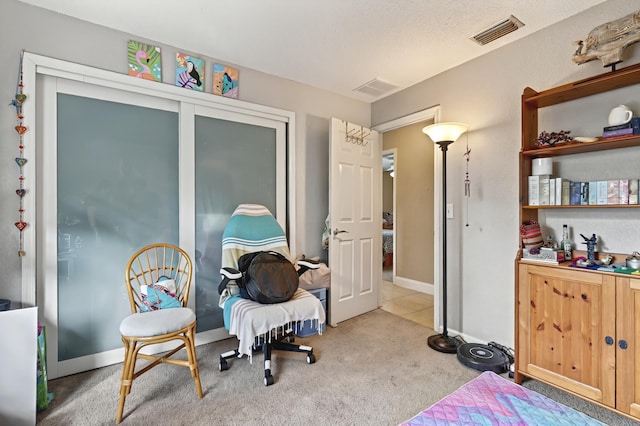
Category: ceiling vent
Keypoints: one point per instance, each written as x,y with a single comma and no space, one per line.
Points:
498,30
376,87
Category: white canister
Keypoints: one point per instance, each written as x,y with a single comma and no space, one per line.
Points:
542,166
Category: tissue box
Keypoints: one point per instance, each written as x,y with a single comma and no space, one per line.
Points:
542,254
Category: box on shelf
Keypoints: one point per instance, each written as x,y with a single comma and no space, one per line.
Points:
535,189
543,254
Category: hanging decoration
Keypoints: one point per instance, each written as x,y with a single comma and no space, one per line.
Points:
17,103
467,182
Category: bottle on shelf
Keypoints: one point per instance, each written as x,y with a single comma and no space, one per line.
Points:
566,243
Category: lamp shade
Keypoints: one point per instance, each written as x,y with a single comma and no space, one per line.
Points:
441,132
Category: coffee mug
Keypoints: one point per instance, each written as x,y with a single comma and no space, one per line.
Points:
620,115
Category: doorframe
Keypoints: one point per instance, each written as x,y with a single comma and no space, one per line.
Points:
416,117
393,151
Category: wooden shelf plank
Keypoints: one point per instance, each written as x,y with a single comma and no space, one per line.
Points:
569,148
586,87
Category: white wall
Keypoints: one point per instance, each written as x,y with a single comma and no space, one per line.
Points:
46,33
485,93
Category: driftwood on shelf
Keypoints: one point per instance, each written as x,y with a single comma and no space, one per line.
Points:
607,41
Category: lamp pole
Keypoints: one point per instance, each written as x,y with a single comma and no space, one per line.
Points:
444,134
442,342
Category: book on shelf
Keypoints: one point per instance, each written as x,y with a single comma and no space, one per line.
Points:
593,193
565,188
620,132
633,191
634,123
584,193
574,194
534,187
544,190
552,191
613,191
623,191
603,192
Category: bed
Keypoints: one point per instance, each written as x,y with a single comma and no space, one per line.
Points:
387,248
490,399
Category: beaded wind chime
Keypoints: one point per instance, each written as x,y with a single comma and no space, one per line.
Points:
17,102
467,181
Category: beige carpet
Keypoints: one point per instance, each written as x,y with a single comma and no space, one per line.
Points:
375,369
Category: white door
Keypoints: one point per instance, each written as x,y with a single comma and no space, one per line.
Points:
355,219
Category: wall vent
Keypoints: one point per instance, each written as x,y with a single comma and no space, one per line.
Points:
498,30
376,87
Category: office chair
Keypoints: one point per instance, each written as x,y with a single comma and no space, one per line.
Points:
258,326
158,278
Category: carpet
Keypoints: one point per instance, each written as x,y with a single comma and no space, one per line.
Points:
374,369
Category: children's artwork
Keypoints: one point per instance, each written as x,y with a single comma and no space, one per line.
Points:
189,72
225,81
144,61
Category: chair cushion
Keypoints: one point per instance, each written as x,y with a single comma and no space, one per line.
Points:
162,321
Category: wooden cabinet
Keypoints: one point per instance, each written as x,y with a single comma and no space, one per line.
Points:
565,317
580,330
628,345
577,329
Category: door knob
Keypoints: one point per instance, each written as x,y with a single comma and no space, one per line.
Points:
338,231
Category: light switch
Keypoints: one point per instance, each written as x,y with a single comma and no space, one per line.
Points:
449,210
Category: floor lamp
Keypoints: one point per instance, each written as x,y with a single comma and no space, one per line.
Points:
444,134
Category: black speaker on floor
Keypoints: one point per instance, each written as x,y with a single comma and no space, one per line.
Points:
483,357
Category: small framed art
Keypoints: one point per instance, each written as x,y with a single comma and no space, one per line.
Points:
189,72
225,81
144,61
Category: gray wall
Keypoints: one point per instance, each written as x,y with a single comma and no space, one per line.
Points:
485,94
46,33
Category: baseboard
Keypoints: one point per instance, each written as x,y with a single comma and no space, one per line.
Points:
211,336
414,285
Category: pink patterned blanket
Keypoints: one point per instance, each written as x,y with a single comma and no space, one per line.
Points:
492,400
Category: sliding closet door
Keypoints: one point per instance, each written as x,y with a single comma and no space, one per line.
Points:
110,188
238,159
120,167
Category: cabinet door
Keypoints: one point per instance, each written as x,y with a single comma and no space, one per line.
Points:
564,318
628,345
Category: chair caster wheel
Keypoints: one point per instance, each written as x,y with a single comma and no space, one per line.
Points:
222,366
268,380
311,359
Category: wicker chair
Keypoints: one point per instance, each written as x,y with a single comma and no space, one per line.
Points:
145,326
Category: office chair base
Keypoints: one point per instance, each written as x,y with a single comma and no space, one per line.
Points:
282,344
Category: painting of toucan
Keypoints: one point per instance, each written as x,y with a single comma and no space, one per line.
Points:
189,70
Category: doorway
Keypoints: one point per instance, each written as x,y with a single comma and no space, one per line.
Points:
409,221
